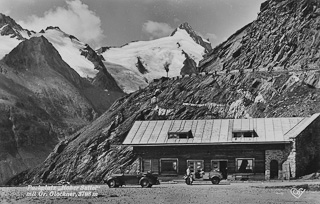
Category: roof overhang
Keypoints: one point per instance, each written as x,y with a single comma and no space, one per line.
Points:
208,144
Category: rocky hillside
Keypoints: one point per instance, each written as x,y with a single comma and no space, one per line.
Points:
285,35
42,101
88,157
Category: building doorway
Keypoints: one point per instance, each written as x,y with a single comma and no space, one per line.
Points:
274,169
221,165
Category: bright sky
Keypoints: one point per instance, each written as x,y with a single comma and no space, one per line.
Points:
116,22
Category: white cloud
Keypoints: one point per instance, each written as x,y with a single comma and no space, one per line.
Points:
76,19
157,29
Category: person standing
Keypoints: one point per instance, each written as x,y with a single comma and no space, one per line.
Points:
188,171
189,178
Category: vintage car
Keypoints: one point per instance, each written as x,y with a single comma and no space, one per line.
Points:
143,179
214,176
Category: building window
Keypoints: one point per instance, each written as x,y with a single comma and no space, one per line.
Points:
169,166
245,165
246,134
180,135
195,165
146,165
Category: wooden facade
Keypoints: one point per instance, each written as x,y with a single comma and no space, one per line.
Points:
224,157
258,148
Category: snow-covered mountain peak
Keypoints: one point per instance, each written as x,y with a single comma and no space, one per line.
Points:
153,55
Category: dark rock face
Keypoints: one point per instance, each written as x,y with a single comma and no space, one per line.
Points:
103,79
194,36
189,65
42,101
87,157
285,34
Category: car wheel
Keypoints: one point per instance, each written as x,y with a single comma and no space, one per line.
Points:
215,180
189,181
145,183
112,183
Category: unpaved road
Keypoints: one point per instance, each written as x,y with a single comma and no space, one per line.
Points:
164,193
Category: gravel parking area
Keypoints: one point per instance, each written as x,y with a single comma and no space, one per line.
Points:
164,193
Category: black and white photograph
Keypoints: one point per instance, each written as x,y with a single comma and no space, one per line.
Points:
159,101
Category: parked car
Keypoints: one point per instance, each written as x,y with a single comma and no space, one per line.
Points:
213,176
144,179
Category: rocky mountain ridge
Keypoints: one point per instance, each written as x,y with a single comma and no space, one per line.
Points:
285,35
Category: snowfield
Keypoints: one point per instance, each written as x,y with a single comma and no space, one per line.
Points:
153,54
70,51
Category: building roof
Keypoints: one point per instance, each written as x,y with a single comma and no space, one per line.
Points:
217,131
303,124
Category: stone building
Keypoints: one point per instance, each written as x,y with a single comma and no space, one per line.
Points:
255,148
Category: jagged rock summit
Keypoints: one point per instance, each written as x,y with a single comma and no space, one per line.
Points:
10,28
196,37
11,34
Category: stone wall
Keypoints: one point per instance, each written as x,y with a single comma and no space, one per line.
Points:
281,157
307,149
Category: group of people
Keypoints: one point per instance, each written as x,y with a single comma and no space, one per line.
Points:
198,174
